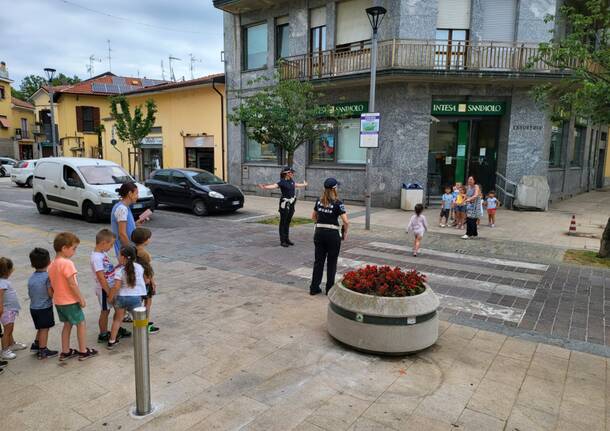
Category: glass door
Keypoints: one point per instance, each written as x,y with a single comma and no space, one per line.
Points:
482,152
441,156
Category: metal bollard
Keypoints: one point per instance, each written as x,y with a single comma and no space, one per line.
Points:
141,360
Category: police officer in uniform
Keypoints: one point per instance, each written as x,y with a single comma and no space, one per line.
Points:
288,200
328,235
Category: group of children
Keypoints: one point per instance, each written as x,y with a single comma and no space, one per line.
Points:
453,207
55,282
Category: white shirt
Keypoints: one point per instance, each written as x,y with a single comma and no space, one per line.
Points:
120,213
101,262
139,289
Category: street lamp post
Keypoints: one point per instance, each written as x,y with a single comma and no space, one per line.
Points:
375,15
50,73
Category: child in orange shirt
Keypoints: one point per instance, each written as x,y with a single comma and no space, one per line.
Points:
67,297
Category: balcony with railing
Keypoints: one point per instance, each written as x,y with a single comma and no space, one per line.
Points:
22,134
433,57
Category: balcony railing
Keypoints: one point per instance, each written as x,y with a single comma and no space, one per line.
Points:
418,55
22,134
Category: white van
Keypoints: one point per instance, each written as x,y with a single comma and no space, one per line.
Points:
83,186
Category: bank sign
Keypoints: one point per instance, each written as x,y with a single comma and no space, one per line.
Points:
350,109
468,108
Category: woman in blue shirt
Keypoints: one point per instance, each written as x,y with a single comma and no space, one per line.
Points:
121,218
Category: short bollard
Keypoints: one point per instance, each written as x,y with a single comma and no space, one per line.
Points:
142,364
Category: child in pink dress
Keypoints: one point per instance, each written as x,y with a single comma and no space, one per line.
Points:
418,225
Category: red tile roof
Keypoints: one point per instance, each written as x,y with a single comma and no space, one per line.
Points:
107,84
218,77
22,104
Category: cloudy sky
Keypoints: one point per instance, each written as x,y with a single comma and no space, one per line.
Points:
62,34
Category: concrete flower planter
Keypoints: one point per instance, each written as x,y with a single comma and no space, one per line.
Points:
385,325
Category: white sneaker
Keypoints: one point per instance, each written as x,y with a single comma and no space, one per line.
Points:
493,225
7,354
18,346
465,237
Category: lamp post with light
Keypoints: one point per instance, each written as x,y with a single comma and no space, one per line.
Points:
375,15
50,73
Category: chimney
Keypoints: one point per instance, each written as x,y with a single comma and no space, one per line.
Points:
3,70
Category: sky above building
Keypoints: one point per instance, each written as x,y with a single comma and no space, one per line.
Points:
64,34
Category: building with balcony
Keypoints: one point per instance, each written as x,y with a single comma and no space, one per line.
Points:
454,88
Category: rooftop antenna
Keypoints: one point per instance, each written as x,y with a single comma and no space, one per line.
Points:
193,60
109,56
162,71
91,65
171,68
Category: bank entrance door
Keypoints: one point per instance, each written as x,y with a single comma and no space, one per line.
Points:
460,148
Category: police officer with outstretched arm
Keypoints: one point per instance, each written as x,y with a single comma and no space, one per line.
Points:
328,235
287,202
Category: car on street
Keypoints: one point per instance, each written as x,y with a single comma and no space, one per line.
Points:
83,186
22,173
196,189
6,166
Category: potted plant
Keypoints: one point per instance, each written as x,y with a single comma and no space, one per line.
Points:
386,310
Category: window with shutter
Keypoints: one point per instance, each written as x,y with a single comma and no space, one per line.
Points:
453,14
352,22
79,118
498,23
88,117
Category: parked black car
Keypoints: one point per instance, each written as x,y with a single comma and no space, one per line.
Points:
192,188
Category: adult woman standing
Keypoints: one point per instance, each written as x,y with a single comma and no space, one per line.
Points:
328,235
473,202
287,201
121,218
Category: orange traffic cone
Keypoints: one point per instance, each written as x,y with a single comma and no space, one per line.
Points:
572,230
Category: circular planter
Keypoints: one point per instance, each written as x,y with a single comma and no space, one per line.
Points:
378,324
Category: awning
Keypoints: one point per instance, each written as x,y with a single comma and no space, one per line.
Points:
4,122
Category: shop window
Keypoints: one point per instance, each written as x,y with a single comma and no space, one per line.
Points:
257,152
255,46
555,151
338,143
580,133
282,35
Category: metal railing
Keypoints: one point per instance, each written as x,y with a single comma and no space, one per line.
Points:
506,190
434,55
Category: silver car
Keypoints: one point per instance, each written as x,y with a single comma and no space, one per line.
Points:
6,166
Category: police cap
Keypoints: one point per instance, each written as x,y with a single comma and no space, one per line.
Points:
331,183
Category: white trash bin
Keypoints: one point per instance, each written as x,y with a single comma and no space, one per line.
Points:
410,197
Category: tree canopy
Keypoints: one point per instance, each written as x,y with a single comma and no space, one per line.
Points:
31,83
579,46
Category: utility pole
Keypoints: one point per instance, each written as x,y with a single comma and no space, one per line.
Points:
50,74
109,56
192,61
171,68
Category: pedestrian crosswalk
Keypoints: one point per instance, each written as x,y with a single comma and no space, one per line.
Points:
480,287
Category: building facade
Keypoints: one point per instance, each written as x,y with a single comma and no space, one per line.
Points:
453,91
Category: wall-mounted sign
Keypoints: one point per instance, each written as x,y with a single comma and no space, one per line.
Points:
350,109
199,142
152,141
468,108
369,130
527,127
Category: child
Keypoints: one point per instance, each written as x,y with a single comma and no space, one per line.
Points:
492,203
418,225
103,273
67,297
41,304
128,290
141,238
455,191
460,208
9,310
482,196
447,199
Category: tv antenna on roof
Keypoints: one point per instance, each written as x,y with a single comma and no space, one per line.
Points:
171,68
162,71
109,56
193,60
91,65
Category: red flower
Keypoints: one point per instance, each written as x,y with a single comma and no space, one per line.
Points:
385,281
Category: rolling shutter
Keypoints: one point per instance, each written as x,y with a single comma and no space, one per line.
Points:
79,118
352,22
317,17
498,20
454,14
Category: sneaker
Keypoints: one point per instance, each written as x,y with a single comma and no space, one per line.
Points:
46,353
7,354
465,237
69,355
127,318
34,347
103,337
18,346
123,333
111,344
152,329
493,225
289,242
3,363
441,225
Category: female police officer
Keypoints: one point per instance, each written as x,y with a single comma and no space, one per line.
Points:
328,235
287,202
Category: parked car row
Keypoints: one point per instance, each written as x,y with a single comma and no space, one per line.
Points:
6,166
88,187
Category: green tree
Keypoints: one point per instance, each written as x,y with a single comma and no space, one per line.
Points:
285,115
31,83
133,128
18,94
580,47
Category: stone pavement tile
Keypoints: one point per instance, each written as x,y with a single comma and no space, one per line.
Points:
71,391
548,367
181,417
235,415
585,391
119,397
518,349
307,426
460,331
417,422
581,416
507,371
494,398
446,404
36,416
469,367
526,418
541,394
339,412
21,399
487,342
471,421
366,424
553,350
587,366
